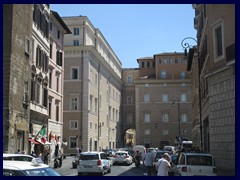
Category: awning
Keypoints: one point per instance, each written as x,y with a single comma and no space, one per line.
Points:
33,141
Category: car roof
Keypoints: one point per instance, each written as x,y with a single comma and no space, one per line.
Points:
122,152
91,152
22,165
16,155
198,154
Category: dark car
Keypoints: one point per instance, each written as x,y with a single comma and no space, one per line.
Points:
109,152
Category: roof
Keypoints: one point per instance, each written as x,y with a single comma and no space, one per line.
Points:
22,165
61,22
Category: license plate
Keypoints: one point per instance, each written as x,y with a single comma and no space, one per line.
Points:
87,166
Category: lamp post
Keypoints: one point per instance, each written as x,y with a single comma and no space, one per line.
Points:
179,122
186,46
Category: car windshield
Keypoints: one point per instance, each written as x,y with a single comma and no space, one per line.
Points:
31,172
199,160
18,158
89,157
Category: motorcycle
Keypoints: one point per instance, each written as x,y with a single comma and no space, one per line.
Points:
137,161
57,162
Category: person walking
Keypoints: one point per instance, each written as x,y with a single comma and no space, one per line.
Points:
163,165
149,159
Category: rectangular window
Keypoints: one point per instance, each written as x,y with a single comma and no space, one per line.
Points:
96,105
182,75
74,103
129,118
45,96
33,90
73,125
74,73
147,132
38,92
75,42
142,64
57,82
165,132
176,61
58,34
183,118
183,97
51,50
73,142
59,57
146,118
163,74
27,47
50,78
164,98
146,98
170,61
129,100
50,108
218,40
129,79
25,95
91,103
75,31
159,61
57,111
165,118
165,60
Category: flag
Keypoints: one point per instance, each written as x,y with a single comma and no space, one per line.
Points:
51,136
56,139
43,140
43,131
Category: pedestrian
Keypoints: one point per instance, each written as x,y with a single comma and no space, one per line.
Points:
149,160
163,165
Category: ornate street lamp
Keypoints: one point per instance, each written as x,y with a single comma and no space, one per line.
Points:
187,46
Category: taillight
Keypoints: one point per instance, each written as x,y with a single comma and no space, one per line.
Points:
115,156
214,170
126,156
184,169
99,162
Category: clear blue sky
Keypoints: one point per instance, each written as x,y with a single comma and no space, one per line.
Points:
137,30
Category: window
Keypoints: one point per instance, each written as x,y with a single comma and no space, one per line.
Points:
27,47
57,82
146,98
73,124
91,103
38,92
74,103
146,118
165,118
147,132
74,73
165,60
183,118
75,31
176,61
148,64
129,100
75,42
58,34
163,74
182,60
165,132
50,108
51,50
159,61
170,61
153,64
218,40
73,142
57,111
164,98
45,96
59,57
183,97
182,75
96,105
129,79
25,95
33,83
142,64
50,78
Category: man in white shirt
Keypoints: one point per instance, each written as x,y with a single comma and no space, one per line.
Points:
163,165
149,159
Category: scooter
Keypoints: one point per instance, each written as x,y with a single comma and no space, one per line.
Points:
137,161
57,162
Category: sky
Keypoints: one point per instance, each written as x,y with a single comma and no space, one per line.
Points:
137,30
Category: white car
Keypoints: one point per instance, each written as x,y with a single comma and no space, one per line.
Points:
122,157
93,162
195,164
25,168
17,157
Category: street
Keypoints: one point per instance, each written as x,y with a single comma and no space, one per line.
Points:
117,170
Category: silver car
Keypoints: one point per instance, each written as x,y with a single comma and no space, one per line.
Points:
122,157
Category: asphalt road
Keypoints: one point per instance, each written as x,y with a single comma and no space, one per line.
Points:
117,170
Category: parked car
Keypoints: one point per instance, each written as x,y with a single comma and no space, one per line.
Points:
93,162
109,152
122,157
26,168
195,164
17,157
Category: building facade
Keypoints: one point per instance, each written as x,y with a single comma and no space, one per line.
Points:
160,92
57,30
92,89
215,25
17,79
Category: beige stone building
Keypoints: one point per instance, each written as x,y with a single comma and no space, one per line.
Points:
92,89
215,25
157,99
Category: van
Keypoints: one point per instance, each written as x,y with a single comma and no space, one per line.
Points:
139,148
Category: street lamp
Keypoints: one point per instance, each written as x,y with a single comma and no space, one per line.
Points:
179,123
186,46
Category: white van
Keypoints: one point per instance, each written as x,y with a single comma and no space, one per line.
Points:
139,148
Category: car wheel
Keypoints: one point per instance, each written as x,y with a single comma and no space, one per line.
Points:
109,170
80,174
